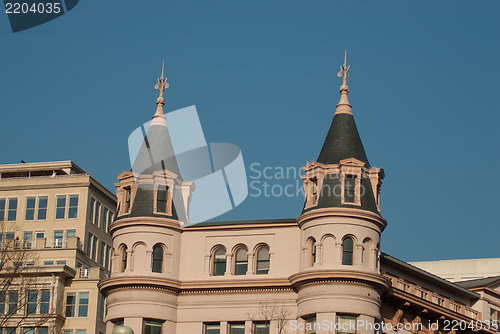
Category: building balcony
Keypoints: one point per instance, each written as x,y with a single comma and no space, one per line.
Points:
93,273
435,298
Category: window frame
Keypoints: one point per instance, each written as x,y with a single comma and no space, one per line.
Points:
345,261
236,262
259,271
216,263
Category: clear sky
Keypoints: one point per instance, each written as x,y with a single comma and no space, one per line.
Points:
262,74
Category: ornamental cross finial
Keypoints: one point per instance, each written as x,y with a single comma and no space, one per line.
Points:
343,70
162,82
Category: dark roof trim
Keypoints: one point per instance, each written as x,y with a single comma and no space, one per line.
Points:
428,276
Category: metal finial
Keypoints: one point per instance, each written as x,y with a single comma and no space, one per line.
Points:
162,82
343,70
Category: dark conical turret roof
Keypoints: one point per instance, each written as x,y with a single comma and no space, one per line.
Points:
342,141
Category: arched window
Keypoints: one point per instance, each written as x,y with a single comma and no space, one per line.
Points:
157,259
219,262
262,261
241,261
124,258
347,251
312,251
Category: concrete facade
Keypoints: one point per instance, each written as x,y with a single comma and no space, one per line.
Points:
60,222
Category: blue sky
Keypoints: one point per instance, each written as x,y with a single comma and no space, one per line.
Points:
262,74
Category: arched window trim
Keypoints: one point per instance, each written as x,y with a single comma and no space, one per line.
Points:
157,260
240,266
219,261
348,254
262,266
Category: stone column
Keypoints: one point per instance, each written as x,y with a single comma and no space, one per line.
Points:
207,264
338,252
319,254
129,261
149,259
250,268
359,254
229,264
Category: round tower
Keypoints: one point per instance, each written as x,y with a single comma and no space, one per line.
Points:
152,204
339,281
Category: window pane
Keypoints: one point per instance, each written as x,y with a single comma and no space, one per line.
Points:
73,206
238,328
261,328
241,262
346,324
44,301
13,295
30,208
157,259
58,239
2,209
81,331
350,183
161,201
61,207
347,251
219,262
10,330
2,302
152,327
29,330
212,329
70,304
262,261
101,253
42,208
83,304
43,330
97,213
31,302
11,215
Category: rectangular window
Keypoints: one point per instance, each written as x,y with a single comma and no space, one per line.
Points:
42,208
73,206
89,244
60,262
48,263
110,219
61,207
43,330
10,330
81,331
161,199
58,239
152,326
346,324
30,208
261,328
128,196
12,213
237,328
92,208
101,253
29,330
94,248
13,298
106,258
2,209
97,213
211,328
349,189
2,302
68,331
83,304
44,301
28,240
105,216
70,304
102,304
31,302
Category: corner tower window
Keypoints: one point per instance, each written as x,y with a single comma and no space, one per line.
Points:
161,199
128,197
350,189
347,251
219,265
124,258
157,259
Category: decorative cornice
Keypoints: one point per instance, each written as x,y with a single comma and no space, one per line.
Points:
145,221
328,276
342,212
